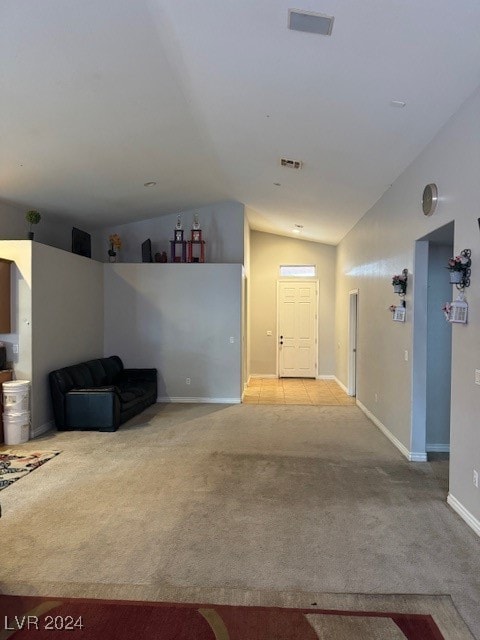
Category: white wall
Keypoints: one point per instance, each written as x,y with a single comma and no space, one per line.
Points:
382,244
178,318
222,228
67,319
268,252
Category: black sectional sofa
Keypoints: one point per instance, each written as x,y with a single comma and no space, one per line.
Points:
100,394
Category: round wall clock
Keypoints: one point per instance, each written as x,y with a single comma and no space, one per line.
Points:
429,199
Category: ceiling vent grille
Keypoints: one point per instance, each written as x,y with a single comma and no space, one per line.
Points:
310,22
291,164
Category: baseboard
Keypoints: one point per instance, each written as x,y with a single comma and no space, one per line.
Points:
411,456
183,400
438,448
464,513
319,377
41,429
263,375
340,384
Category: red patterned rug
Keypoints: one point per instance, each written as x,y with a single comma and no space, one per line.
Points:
26,617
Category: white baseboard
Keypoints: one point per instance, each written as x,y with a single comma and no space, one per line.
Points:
464,513
440,448
41,429
263,375
319,377
411,456
184,400
340,384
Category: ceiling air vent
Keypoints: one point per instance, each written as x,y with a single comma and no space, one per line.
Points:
310,22
291,164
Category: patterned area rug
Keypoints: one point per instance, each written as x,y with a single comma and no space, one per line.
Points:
26,617
16,464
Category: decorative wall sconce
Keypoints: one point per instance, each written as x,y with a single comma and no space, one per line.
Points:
456,311
399,312
459,268
400,283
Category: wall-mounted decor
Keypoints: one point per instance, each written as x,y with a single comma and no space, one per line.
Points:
456,311
429,199
459,268
399,311
399,283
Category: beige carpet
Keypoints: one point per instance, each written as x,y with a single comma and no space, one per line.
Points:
230,499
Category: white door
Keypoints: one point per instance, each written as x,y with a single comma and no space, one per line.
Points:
352,343
297,329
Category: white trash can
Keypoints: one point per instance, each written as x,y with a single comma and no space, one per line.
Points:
16,396
16,427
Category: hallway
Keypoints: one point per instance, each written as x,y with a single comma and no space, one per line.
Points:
295,391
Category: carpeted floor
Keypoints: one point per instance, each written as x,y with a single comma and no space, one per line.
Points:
211,499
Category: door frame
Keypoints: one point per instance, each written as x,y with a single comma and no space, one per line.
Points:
309,280
352,341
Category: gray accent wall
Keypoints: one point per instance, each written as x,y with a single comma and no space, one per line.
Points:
382,244
183,319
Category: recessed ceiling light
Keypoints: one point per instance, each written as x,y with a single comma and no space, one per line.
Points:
298,228
149,184
277,184
397,103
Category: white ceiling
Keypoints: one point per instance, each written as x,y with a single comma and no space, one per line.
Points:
98,97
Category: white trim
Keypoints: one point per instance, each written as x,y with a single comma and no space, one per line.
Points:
340,384
440,448
263,375
41,429
352,342
411,456
186,400
464,513
324,377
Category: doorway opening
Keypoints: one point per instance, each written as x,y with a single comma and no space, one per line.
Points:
432,346
352,342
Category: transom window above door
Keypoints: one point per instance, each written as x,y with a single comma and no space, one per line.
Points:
298,270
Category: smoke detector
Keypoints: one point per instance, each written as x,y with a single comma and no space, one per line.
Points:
310,22
291,164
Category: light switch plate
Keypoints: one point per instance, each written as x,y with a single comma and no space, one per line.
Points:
477,376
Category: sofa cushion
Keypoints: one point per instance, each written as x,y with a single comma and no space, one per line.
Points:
112,366
98,372
80,375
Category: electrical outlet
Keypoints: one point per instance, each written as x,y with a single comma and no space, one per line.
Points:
269,333
477,376
232,339
15,348
475,478
405,355
187,380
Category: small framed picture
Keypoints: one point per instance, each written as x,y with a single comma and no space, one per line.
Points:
178,235
196,235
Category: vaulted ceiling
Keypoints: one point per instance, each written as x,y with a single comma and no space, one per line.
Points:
98,97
